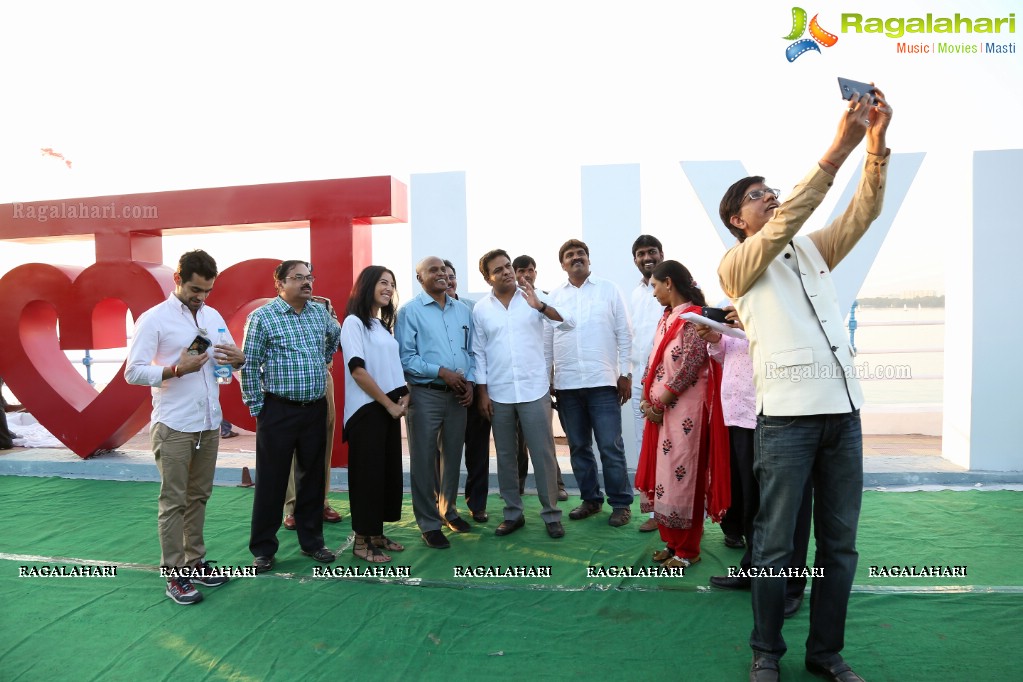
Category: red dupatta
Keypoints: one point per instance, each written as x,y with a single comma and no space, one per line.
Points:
718,480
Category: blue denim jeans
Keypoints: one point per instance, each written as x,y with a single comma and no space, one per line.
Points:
827,448
595,413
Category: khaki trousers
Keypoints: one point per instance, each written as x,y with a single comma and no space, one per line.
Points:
186,482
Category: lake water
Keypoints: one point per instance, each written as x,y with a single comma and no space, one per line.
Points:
920,364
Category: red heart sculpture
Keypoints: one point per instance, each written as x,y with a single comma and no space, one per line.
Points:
90,306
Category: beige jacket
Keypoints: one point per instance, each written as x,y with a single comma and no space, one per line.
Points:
782,289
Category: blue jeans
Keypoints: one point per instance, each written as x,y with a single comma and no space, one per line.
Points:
595,413
827,448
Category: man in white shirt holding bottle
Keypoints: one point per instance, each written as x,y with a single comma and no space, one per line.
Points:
593,380
512,369
647,254
165,353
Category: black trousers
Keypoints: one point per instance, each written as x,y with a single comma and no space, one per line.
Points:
734,522
283,428
374,468
741,441
477,458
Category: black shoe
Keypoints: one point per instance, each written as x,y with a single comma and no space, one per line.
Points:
620,516
763,669
587,508
480,516
323,555
792,605
555,529
839,672
204,574
262,564
734,542
458,524
509,527
728,582
562,495
435,539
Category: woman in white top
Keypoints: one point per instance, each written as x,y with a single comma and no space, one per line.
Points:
376,399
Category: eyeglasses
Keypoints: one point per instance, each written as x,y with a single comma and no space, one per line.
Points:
301,278
758,194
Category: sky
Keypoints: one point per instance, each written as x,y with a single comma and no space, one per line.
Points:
518,95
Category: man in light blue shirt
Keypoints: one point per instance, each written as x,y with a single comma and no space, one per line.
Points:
434,333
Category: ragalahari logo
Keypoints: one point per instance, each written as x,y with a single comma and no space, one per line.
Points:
817,35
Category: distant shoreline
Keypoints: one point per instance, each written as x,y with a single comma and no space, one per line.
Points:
895,302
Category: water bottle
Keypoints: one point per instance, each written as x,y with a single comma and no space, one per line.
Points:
222,372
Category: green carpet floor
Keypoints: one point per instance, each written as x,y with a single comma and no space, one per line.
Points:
289,625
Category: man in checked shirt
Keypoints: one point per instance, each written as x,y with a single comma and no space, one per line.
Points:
288,343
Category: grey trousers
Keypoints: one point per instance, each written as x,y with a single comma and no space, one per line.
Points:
436,434
535,417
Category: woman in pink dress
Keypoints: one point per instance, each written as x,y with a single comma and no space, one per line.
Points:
683,467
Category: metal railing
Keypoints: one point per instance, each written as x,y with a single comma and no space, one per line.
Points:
854,325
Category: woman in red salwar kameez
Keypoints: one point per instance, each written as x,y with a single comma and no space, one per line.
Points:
685,443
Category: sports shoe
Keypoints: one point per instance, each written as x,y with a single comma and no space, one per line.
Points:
204,574
181,591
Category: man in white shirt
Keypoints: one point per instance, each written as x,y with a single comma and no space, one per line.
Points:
593,380
525,269
512,369
647,254
185,429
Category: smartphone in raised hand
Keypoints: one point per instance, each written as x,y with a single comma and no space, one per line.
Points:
850,88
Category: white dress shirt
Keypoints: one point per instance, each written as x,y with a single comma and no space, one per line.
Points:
188,403
597,351
511,356
646,313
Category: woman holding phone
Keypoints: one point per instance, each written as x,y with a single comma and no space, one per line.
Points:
684,433
376,399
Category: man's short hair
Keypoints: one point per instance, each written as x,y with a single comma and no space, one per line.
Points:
282,270
489,256
645,240
732,202
450,266
572,244
197,262
523,261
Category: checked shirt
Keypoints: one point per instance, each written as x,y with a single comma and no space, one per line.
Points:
287,353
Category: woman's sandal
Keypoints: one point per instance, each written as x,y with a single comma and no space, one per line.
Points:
367,551
384,542
680,562
663,555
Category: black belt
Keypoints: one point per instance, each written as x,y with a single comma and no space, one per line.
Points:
435,387
296,403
